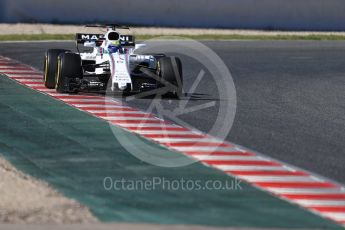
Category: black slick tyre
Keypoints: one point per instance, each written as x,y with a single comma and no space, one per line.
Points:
169,70
50,67
69,68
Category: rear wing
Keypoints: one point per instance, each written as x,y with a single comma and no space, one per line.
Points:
125,40
82,38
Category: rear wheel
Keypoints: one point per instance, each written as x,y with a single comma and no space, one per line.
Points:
169,69
69,68
50,67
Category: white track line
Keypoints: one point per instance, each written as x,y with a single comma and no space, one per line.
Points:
202,149
304,190
29,80
248,167
165,132
319,202
124,118
335,215
143,125
72,100
98,106
257,179
168,140
28,76
119,112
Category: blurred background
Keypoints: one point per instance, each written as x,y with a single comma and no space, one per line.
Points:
317,15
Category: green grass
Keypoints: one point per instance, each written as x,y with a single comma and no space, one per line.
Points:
41,37
36,37
254,37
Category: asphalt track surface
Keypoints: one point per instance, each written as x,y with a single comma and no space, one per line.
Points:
290,97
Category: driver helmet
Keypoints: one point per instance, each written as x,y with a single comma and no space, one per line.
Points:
114,46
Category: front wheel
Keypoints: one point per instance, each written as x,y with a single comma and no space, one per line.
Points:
169,69
68,70
50,67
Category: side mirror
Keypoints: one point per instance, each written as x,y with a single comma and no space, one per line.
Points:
90,44
138,46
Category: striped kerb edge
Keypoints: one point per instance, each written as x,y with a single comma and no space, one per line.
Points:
312,192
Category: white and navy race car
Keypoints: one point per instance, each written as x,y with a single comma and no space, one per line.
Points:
112,65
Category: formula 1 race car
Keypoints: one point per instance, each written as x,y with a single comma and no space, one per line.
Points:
112,65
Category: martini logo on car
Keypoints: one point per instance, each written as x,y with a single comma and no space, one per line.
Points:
89,37
125,38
